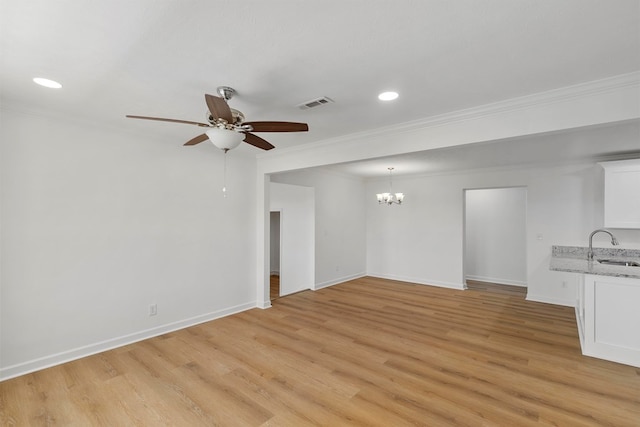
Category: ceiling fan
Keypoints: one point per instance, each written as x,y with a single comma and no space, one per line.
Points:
226,126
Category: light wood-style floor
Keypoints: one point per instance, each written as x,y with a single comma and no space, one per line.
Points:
369,352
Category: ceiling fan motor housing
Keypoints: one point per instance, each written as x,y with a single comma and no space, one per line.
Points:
238,117
226,92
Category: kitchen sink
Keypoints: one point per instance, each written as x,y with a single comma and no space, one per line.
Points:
619,262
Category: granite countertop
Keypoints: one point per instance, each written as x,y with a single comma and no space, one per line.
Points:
573,259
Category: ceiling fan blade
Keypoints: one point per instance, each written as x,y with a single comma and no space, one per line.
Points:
277,126
256,141
219,108
187,122
197,140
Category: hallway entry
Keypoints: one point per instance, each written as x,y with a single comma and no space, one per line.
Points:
495,236
274,254
294,205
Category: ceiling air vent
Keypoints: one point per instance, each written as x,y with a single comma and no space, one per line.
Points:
315,103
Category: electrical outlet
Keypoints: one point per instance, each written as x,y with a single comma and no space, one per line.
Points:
564,284
153,309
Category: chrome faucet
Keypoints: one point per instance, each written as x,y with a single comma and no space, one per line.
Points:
614,241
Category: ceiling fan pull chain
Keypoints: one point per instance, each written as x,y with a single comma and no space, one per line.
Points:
224,178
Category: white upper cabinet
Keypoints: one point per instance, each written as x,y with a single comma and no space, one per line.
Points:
622,193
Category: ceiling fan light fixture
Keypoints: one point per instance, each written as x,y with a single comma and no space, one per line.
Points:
224,139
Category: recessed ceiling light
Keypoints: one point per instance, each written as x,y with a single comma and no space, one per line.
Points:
388,96
47,83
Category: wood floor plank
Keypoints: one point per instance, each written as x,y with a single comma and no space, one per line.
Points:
369,352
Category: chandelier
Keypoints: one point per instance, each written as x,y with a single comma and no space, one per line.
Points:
390,198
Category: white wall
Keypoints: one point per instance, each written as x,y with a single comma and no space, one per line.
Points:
422,240
495,235
339,223
297,248
419,241
98,224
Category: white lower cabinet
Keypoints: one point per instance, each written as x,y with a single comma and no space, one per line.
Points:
608,316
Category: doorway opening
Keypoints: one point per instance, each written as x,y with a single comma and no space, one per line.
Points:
495,250
274,255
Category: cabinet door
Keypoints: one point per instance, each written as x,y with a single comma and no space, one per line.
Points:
612,319
622,194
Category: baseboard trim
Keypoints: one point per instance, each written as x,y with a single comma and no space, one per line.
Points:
99,347
264,305
497,280
449,285
328,283
547,300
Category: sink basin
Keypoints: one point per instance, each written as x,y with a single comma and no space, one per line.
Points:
619,262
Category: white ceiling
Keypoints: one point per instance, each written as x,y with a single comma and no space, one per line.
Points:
159,57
